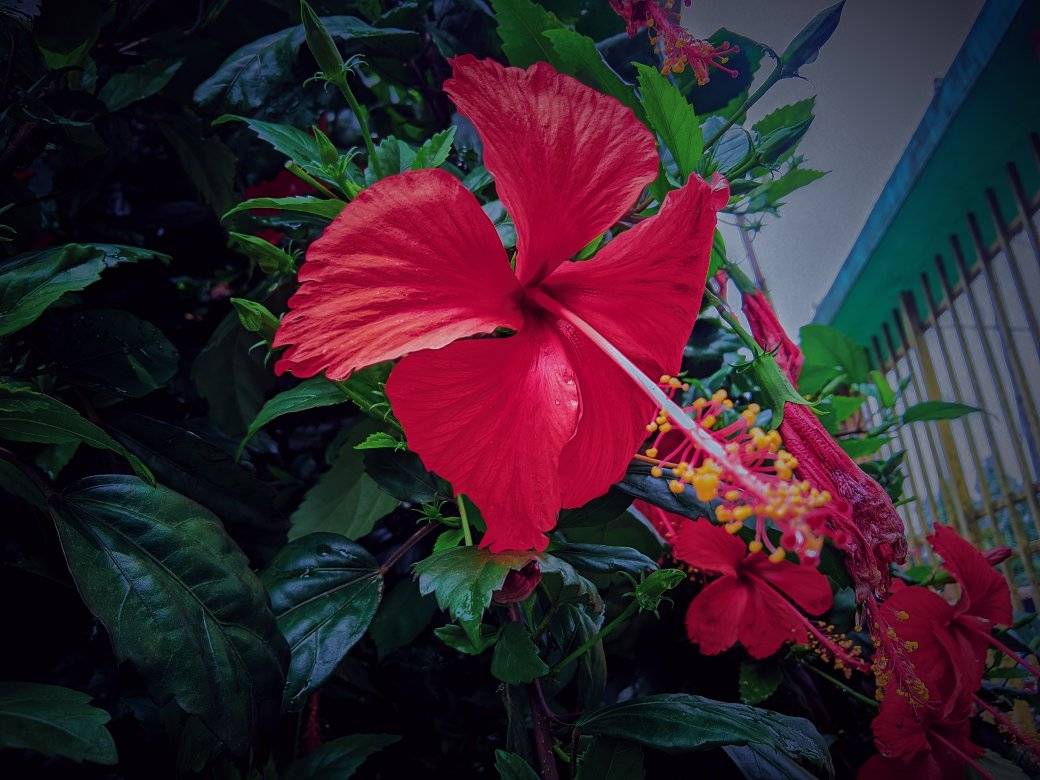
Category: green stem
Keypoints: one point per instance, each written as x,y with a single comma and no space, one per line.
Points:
603,633
467,537
741,279
732,320
299,172
747,104
835,681
362,118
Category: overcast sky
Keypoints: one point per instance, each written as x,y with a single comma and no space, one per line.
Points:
873,82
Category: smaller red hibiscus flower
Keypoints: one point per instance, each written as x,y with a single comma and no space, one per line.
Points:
770,334
749,602
921,743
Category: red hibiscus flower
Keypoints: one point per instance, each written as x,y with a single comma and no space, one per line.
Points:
921,744
770,334
413,267
947,642
749,602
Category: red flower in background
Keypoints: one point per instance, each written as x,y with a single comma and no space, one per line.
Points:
540,419
749,602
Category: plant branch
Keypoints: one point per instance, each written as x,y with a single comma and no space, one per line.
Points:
603,633
408,544
747,104
467,537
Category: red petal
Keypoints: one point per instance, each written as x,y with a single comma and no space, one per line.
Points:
642,291
412,264
768,622
984,592
614,414
492,416
568,161
708,547
714,616
898,730
802,584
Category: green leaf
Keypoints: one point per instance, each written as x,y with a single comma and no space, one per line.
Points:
756,762
345,500
434,152
28,416
794,179
577,56
861,448
464,578
679,722
611,759
381,440
473,642
606,520
137,83
638,482
55,721
828,347
650,591
758,680
403,476
271,259
515,659
593,559
805,47
14,481
251,75
521,28
255,317
161,574
510,766
298,145
324,591
836,409
209,164
109,353
322,47
786,116
937,410
340,758
32,282
885,394
312,393
326,208
404,614
672,118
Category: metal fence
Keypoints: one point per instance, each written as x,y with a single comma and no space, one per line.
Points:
972,336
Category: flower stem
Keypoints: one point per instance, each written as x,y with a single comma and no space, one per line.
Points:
467,537
406,545
731,319
362,118
769,82
606,631
835,681
1008,652
1005,723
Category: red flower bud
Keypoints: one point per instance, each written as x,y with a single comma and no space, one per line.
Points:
519,584
998,555
770,334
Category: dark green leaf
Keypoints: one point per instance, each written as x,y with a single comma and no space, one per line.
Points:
255,317
340,758
324,591
638,482
515,659
54,720
805,47
828,347
402,475
473,642
678,722
209,164
592,559
109,353
271,259
937,410
510,766
521,27
672,118
163,577
30,283
137,83
434,152
326,208
650,591
14,481
577,56
861,448
606,520
380,440
402,616
29,416
757,762
312,393
758,680
346,500
611,759
573,586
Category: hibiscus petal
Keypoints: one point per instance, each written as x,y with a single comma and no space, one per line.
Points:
568,161
492,416
614,414
984,592
642,291
898,730
768,622
413,263
714,616
802,584
708,547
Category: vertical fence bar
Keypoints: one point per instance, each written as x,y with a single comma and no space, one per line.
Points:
911,527
1014,359
1004,239
1014,515
938,456
926,482
959,493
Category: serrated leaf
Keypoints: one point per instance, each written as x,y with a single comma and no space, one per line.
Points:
758,680
577,56
28,416
312,393
30,283
785,116
403,476
55,721
340,758
434,152
472,642
137,83
672,118
380,440
515,660
161,574
271,259
324,591
679,722
326,208
521,28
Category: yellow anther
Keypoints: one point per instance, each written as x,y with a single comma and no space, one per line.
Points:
903,615
676,486
723,515
651,427
674,382
651,452
777,555
709,421
699,403
665,427
732,495
742,513
719,395
727,404
754,408
911,646
732,528
755,546
680,467
656,472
